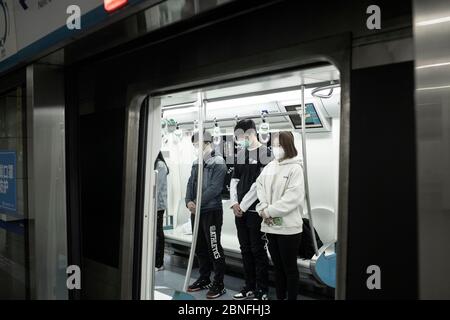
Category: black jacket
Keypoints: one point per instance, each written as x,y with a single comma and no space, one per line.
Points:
214,171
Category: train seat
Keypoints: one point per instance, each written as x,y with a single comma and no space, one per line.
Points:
325,224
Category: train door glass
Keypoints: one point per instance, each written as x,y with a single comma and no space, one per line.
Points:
172,156
274,103
14,253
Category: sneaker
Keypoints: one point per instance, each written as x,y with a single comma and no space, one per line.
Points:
159,268
200,284
216,290
244,294
261,295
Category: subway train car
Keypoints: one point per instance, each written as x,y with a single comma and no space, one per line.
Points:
92,91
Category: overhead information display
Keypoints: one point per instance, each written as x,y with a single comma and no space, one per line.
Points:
312,117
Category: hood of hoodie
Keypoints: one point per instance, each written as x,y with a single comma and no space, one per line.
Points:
295,160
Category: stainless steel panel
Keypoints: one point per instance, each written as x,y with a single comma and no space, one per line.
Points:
382,53
172,11
47,183
432,47
150,214
130,180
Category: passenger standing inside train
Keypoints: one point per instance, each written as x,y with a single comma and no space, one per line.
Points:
209,250
281,194
250,161
163,171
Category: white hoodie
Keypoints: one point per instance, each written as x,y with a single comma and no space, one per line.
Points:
281,194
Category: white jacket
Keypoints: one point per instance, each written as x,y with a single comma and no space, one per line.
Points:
281,193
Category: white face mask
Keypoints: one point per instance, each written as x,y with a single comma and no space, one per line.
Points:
278,152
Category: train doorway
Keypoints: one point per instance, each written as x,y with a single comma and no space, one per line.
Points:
274,103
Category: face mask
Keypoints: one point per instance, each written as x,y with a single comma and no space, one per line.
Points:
205,150
278,152
244,144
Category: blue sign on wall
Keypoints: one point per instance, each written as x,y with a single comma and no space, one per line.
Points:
8,170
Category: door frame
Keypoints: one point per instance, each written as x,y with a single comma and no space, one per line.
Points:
282,60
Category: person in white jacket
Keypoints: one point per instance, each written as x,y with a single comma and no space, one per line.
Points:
281,194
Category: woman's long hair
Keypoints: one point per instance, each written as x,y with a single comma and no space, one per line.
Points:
161,158
286,139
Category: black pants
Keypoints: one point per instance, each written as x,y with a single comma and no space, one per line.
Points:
209,250
159,260
254,255
283,250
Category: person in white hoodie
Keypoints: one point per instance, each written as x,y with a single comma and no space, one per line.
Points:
281,194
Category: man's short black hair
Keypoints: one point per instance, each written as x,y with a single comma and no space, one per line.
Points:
206,137
245,125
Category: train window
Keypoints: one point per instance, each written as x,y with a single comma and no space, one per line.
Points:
271,104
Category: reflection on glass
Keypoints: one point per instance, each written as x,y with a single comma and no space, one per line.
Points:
171,11
13,198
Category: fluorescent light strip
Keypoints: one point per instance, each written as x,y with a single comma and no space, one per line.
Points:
178,106
433,88
433,21
433,65
180,111
260,99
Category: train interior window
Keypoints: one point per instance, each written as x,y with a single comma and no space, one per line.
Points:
274,103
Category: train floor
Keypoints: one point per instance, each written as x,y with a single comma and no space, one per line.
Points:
173,277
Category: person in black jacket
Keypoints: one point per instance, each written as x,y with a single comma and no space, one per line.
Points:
209,250
251,159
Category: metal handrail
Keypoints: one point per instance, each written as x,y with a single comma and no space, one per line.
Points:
153,223
199,193
305,172
256,116
315,92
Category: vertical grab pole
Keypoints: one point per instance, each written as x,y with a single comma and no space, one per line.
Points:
305,172
166,214
153,223
200,98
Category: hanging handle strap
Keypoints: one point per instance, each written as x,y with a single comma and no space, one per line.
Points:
316,92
